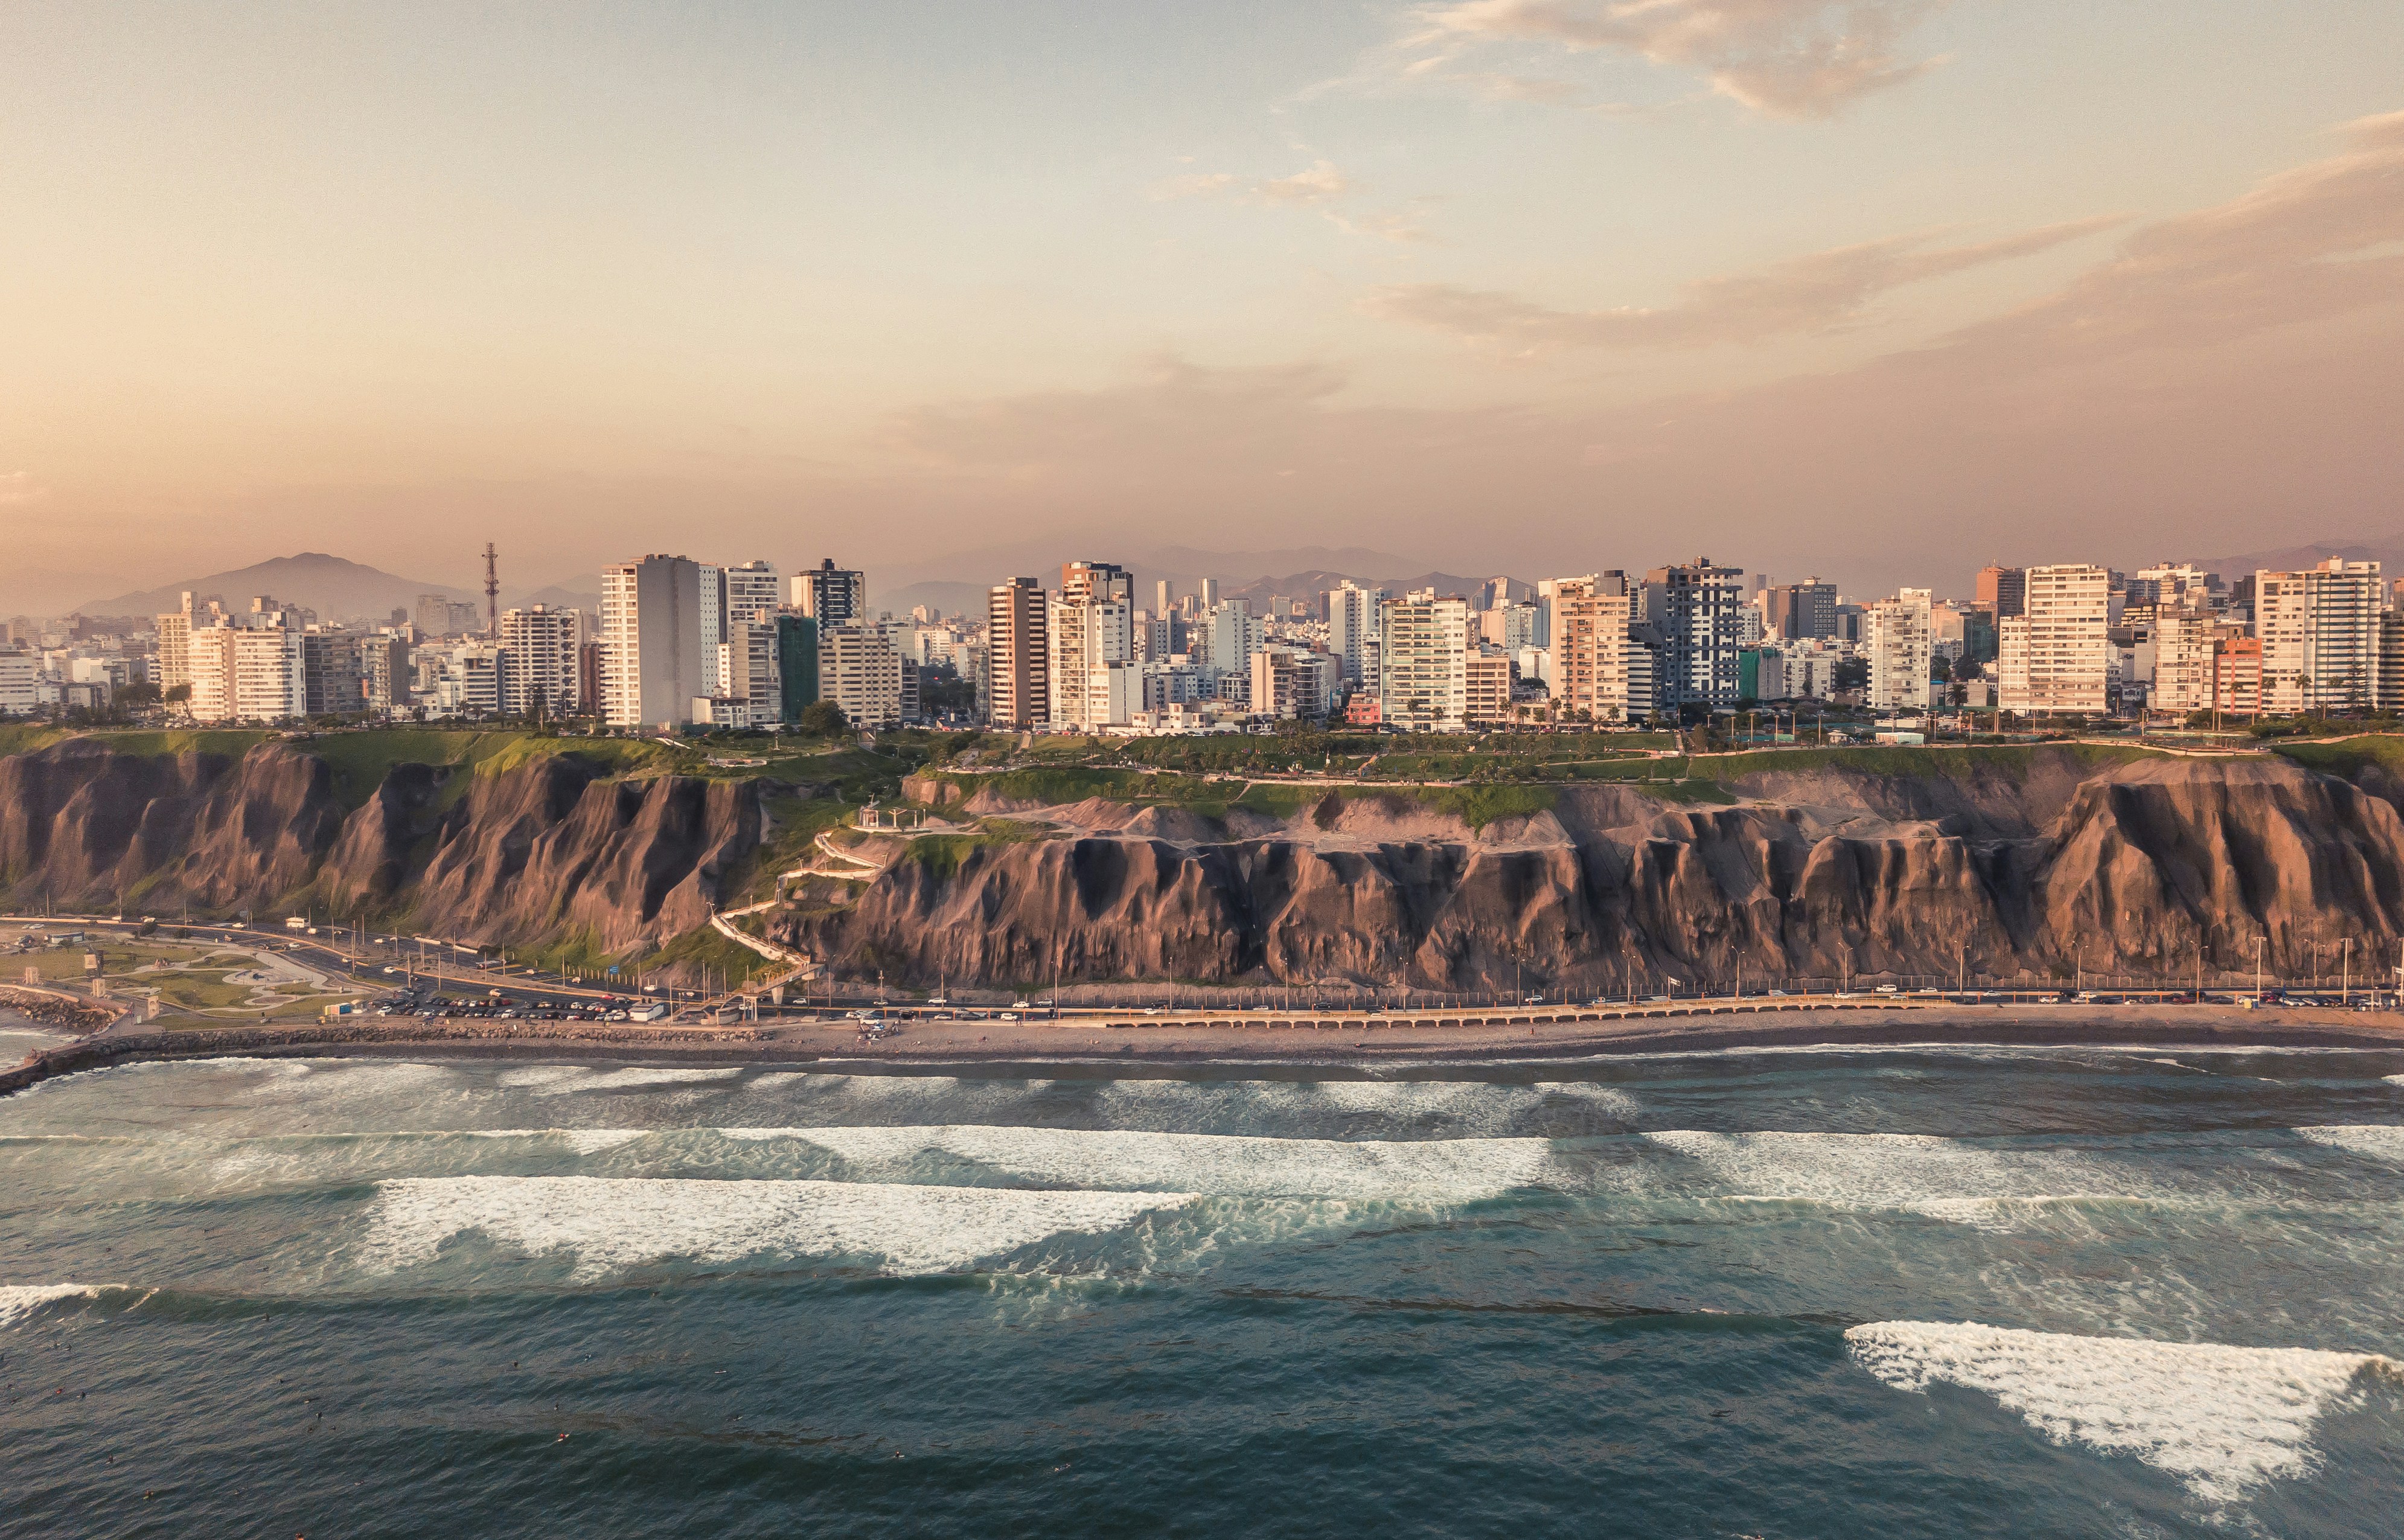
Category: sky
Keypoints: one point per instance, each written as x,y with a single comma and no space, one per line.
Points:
1880,290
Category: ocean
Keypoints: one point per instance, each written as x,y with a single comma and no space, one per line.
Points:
1915,1291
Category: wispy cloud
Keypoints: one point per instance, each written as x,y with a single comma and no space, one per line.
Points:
18,487
1797,58
1320,187
1826,292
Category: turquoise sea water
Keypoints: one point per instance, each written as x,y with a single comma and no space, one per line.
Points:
1827,1292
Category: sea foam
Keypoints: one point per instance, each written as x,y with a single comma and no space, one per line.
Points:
2221,1419
560,1080
619,1223
19,1300
1919,1173
2376,1141
1441,1170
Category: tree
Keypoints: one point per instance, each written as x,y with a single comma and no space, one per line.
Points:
823,719
1966,668
1940,670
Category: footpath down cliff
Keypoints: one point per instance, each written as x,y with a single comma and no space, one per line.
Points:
550,847
2035,865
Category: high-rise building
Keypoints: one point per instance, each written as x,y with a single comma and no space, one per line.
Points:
333,675
247,673
1020,690
654,662
1355,625
752,589
797,665
1485,687
1589,651
1231,635
2184,640
2237,675
1161,605
2390,660
1798,611
861,673
175,645
830,595
2319,630
1085,639
1424,663
2003,591
1696,609
1096,583
1290,682
712,590
2055,655
545,648
1209,598
384,670
1898,640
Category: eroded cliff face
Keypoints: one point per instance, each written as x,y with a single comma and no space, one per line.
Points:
534,852
2032,868
2143,869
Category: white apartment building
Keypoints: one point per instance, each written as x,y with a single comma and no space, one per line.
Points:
1355,627
1424,678
1086,639
244,673
18,674
1231,633
2056,656
2183,640
1589,651
545,647
653,661
1810,664
1895,634
860,672
2319,631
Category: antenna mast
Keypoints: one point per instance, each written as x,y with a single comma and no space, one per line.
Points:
491,592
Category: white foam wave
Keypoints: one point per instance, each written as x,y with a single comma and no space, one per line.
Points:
1441,1170
612,1224
2221,1419
563,1079
2376,1141
19,1300
1919,1173
2393,1079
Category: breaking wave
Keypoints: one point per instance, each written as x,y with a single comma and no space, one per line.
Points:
1446,1169
2376,1141
21,1301
2221,1419
610,1224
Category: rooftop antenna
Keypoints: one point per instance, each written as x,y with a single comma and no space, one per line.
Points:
491,592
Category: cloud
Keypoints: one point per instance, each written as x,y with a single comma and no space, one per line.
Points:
2222,371
1320,187
1321,184
1821,292
18,487
1797,59
2312,244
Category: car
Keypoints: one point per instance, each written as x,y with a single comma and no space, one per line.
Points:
617,1016
1888,989
1152,1009
1780,994
391,970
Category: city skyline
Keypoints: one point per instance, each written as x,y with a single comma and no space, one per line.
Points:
1885,290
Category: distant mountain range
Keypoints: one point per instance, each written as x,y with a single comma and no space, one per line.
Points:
336,589
2387,552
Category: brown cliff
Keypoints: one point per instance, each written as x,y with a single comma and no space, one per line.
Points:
548,848
2047,868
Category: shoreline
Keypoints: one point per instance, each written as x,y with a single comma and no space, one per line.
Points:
1078,1049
